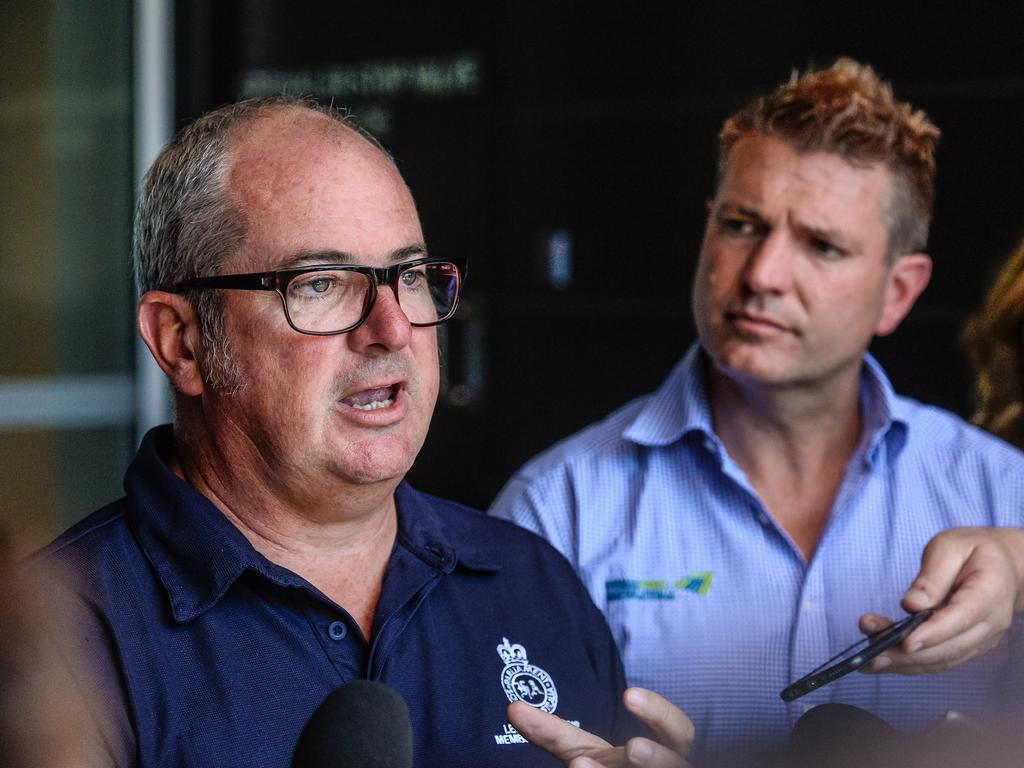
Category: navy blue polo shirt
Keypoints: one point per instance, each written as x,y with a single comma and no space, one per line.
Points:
208,654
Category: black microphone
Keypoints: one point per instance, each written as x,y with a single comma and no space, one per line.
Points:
844,736
362,723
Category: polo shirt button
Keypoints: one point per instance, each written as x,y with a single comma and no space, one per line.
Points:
337,630
709,445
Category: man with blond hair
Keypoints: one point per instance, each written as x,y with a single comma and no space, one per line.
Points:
736,524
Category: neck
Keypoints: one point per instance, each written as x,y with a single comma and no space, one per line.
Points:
337,536
793,443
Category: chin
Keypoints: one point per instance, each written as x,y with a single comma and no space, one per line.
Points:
754,364
377,463
372,473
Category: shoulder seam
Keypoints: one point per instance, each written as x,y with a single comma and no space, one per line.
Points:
59,544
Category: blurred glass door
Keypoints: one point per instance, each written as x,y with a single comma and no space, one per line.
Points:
66,297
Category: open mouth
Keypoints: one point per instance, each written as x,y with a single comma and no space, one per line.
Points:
372,399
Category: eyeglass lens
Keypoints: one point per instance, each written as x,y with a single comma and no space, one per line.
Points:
332,300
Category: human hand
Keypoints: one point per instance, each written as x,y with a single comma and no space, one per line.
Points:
672,735
979,574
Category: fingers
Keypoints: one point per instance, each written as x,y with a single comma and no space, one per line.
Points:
941,563
981,603
869,624
976,574
644,753
985,588
638,753
553,734
579,749
669,726
872,622
611,757
976,641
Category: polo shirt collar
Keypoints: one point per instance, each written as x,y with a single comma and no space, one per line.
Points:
680,406
198,553
443,541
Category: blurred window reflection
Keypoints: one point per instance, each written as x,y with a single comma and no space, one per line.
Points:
66,351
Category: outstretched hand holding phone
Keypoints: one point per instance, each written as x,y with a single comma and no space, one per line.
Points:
974,580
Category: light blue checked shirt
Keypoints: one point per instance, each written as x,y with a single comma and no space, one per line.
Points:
710,602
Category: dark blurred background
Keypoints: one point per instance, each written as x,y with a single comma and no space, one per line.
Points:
569,151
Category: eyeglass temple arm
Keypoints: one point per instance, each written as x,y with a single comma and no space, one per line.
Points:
259,281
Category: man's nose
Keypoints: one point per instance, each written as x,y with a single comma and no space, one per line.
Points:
386,326
770,264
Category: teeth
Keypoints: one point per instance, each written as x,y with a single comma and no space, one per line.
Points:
376,405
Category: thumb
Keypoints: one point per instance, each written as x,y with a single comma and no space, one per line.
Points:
941,563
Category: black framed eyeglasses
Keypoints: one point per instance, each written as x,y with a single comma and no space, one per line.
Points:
329,299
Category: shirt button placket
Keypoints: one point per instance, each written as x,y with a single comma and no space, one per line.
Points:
812,638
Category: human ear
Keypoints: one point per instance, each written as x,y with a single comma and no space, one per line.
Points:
169,328
908,277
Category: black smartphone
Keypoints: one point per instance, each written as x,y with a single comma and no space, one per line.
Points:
856,656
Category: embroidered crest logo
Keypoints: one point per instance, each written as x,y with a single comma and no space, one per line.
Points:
523,681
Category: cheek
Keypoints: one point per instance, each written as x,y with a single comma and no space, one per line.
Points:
857,297
428,369
298,361
714,280
289,380
425,370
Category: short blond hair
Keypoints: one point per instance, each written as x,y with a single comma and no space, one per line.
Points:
849,111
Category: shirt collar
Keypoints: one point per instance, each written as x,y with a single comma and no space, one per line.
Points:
680,406
886,416
198,553
444,541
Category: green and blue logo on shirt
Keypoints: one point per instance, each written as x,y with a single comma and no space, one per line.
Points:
633,589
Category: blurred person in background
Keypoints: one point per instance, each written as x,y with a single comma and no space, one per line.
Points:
45,717
995,342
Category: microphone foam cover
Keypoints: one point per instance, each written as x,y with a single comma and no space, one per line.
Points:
362,723
841,735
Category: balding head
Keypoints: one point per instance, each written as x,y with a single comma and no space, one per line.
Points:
188,223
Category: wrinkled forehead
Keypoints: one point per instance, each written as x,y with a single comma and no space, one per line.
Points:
763,168
762,154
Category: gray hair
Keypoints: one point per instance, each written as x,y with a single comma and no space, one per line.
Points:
187,224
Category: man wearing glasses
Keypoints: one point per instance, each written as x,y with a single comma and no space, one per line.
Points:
736,524
267,550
